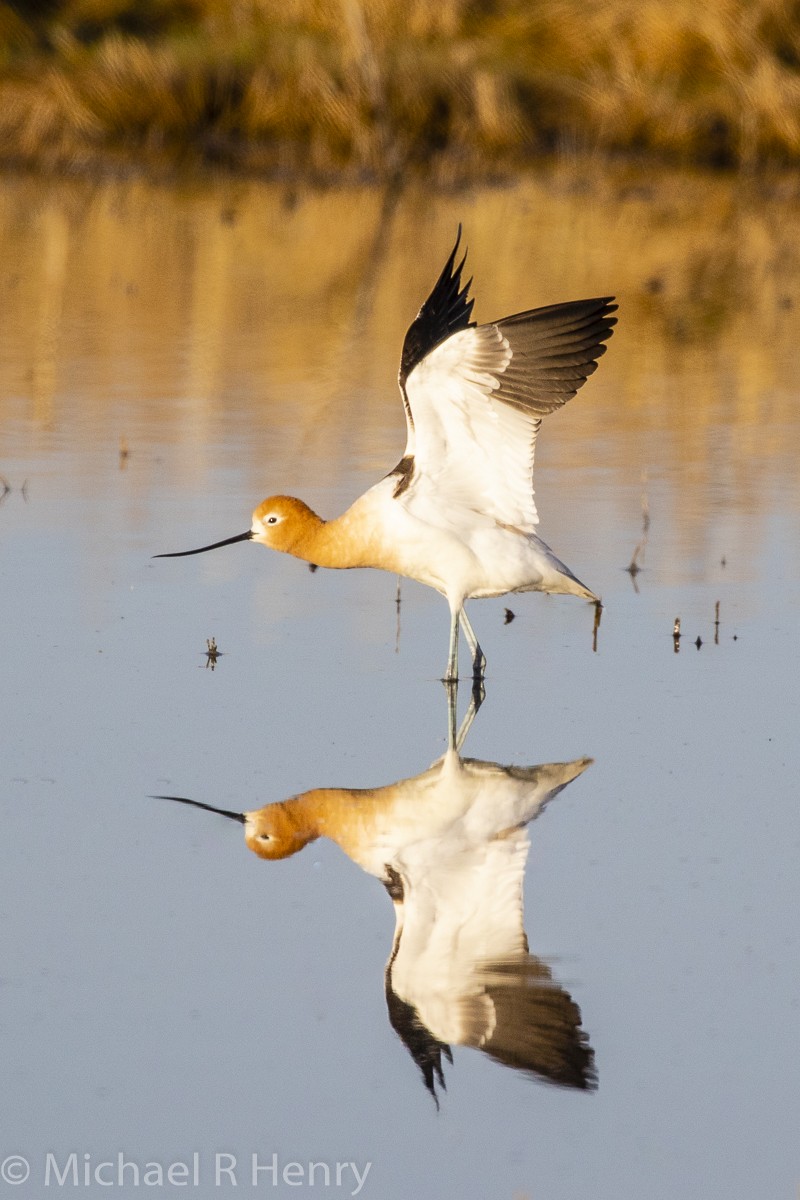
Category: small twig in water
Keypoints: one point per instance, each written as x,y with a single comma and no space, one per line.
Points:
397,601
633,567
212,653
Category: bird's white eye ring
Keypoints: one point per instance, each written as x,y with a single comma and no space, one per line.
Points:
272,520
265,837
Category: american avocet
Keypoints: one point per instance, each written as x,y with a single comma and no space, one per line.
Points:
450,846
457,512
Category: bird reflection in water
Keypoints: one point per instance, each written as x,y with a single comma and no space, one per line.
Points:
450,846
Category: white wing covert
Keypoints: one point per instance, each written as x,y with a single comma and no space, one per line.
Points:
475,394
469,446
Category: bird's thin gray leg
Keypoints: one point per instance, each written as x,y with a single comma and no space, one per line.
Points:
451,687
478,657
456,740
451,674
476,700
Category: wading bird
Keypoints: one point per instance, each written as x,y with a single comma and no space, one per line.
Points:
450,846
457,512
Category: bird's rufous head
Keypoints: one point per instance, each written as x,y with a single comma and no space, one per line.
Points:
282,522
276,832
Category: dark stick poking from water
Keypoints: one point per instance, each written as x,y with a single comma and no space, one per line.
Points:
716,624
676,635
633,567
598,612
212,653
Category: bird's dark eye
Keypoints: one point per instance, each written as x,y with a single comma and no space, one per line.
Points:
272,520
264,837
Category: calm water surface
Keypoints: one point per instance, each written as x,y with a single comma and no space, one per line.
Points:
168,358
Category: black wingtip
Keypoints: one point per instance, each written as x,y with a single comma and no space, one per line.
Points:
425,1049
447,310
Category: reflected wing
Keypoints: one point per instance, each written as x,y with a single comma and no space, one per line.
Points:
444,918
452,919
537,1026
461,974
475,395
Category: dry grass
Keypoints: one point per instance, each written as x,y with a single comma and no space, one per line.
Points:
373,86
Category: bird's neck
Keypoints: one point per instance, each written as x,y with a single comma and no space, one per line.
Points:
344,542
350,817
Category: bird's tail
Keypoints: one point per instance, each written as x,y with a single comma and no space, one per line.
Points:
557,577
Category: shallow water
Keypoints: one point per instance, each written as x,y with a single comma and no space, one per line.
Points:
167,358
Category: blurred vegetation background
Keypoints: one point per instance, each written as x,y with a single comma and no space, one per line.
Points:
457,89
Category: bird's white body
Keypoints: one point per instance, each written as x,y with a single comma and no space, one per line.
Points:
461,552
457,513
456,807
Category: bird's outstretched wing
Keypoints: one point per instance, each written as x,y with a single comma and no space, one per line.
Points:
446,311
475,395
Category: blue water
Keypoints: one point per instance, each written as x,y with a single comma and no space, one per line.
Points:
164,993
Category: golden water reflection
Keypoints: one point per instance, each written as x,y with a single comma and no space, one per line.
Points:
261,325
450,846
